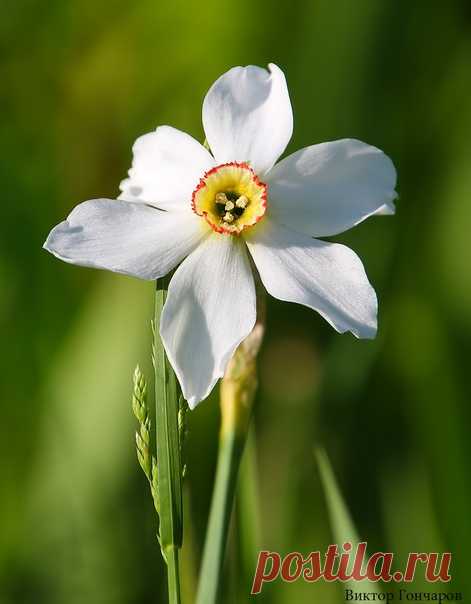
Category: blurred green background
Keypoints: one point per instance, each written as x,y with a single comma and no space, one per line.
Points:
80,81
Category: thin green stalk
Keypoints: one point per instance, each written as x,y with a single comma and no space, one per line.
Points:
173,568
230,451
169,467
237,392
248,511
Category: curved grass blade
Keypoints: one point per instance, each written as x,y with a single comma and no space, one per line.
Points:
341,521
169,467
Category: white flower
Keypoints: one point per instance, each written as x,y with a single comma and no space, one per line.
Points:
215,211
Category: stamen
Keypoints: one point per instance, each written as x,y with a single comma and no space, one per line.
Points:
229,206
242,202
221,198
228,217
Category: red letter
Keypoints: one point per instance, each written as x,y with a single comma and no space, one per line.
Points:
411,564
286,567
315,567
330,557
357,575
385,571
443,574
260,577
344,561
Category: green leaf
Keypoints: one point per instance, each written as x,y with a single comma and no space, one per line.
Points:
341,521
168,451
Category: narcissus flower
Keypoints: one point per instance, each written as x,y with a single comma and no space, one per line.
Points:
208,212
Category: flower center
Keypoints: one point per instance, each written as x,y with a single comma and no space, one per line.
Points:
230,197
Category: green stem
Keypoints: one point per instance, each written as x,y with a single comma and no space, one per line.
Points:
231,446
248,510
173,575
237,392
168,453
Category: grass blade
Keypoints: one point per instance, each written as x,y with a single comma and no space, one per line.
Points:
169,468
342,525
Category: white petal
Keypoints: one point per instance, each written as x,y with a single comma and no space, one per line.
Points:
166,168
325,189
123,237
247,116
210,309
327,277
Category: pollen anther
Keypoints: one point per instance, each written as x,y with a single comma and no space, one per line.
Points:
242,202
221,198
